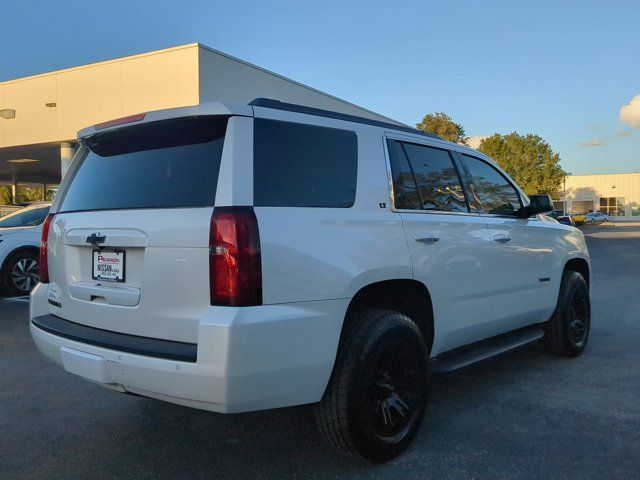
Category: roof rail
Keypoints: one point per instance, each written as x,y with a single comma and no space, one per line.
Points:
319,112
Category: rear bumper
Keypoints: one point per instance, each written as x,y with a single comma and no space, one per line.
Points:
249,358
145,346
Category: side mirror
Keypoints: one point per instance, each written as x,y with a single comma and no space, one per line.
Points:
542,203
537,204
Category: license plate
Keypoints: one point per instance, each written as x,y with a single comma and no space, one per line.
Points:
108,265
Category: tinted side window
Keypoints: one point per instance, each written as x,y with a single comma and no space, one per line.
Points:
436,177
297,165
405,191
489,189
27,218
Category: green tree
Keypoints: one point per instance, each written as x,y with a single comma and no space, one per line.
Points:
26,194
443,126
5,194
528,159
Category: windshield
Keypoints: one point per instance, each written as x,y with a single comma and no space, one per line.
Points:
165,164
25,217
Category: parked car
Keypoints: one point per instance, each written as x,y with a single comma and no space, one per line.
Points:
578,218
566,220
20,234
556,213
596,217
236,258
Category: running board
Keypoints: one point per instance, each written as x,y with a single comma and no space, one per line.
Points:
470,355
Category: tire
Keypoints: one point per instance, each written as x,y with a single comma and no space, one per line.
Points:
567,331
21,272
377,394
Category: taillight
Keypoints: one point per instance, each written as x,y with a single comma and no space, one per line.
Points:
44,256
235,265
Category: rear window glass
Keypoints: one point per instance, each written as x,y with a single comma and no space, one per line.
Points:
298,165
164,164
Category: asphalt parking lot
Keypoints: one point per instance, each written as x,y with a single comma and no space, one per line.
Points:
526,415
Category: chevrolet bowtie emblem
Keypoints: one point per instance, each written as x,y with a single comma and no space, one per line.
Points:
96,238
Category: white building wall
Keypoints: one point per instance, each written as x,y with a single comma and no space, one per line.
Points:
227,79
54,106
591,188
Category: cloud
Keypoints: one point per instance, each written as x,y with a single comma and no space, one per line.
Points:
624,134
630,113
474,141
596,142
599,142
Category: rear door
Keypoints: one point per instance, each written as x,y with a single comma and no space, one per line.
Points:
131,229
449,244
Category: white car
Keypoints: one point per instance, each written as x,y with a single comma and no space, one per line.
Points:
20,235
244,257
596,217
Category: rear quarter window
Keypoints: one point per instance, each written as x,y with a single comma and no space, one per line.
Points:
296,165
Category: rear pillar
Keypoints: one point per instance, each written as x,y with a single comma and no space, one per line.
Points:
67,151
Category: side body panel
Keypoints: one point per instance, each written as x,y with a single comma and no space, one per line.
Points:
330,253
454,269
526,282
481,287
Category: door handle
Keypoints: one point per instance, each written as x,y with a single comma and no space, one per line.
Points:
426,237
502,237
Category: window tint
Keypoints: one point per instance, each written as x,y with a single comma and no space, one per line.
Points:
170,163
489,189
432,171
297,165
25,218
405,191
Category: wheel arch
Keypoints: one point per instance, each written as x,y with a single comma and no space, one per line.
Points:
581,266
407,296
21,248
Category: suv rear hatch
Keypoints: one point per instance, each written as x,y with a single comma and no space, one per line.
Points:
130,235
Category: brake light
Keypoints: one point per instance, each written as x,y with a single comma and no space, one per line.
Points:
235,264
120,121
44,256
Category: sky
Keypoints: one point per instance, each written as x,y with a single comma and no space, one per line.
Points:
567,71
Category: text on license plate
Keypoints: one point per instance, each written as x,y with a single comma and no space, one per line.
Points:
108,265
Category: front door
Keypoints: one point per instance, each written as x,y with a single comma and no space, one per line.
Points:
522,254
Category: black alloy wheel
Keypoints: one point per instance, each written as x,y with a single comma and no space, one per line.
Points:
377,394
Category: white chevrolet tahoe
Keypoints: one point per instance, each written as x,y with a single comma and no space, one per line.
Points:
243,257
